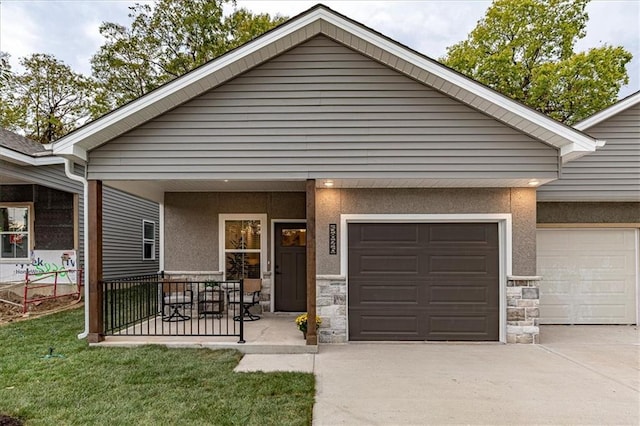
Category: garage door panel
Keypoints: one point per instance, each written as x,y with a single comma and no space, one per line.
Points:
385,325
461,327
597,313
460,294
386,264
593,271
605,289
468,233
387,294
460,264
397,291
389,233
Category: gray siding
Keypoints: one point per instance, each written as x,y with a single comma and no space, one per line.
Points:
122,227
51,176
323,110
610,174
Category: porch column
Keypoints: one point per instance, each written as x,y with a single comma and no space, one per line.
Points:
312,337
94,260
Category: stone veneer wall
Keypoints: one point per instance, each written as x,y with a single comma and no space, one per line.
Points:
523,299
331,306
523,310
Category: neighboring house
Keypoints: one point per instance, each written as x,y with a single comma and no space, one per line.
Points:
41,213
588,227
403,191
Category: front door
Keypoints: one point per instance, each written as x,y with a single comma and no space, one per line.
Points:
291,267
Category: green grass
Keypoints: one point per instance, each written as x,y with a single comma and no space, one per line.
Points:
136,386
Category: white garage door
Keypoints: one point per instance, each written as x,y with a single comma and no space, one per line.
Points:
589,276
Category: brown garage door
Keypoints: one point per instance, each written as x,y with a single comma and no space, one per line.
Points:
421,281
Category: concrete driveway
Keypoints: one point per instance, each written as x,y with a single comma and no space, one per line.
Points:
577,375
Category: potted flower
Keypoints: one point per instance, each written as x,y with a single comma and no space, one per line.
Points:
301,322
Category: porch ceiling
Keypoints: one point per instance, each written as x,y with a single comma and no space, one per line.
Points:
155,189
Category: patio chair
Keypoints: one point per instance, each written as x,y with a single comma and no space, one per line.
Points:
176,296
247,300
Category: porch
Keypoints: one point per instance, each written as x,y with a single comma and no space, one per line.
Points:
155,309
274,333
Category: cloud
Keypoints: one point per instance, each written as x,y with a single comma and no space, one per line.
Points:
19,33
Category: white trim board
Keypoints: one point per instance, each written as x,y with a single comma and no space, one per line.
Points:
505,235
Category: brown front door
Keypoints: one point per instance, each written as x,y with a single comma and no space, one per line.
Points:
291,267
422,281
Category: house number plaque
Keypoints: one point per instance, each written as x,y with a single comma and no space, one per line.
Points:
333,238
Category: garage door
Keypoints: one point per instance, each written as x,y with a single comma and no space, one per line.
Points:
413,281
589,276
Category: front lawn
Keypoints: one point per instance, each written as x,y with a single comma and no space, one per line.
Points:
150,385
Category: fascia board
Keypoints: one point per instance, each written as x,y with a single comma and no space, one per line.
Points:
608,112
27,160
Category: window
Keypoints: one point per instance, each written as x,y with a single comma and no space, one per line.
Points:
241,242
14,232
148,240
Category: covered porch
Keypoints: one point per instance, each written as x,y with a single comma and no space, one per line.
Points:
275,333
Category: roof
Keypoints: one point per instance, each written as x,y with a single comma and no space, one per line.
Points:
24,151
609,112
320,20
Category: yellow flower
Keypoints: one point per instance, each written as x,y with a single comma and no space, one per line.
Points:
301,322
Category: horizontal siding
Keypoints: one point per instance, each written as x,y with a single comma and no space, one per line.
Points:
322,109
122,234
50,176
610,174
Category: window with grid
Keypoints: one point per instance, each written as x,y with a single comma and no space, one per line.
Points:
148,240
242,247
14,232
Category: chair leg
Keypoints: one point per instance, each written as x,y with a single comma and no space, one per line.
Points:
176,315
248,316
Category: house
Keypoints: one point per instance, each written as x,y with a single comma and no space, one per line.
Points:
359,179
36,191
588,226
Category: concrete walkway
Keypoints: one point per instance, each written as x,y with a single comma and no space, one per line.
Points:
577,375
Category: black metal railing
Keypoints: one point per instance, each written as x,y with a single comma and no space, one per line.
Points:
151,305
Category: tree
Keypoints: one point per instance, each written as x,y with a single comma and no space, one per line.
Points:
7,114
49,99
166,41
524,49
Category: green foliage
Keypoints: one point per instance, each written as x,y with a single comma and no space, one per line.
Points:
149,385
9,115
48,100
524,49
166,41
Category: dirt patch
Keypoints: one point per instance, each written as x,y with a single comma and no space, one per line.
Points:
9,421
10,312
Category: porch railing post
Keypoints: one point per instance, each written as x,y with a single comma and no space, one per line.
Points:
241,313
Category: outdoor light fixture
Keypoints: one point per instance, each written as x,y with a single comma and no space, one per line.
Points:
328,183
534,182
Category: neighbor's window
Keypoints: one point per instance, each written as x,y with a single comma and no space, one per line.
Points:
14,232
148,240
243,241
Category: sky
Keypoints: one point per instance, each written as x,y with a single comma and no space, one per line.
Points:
68,29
